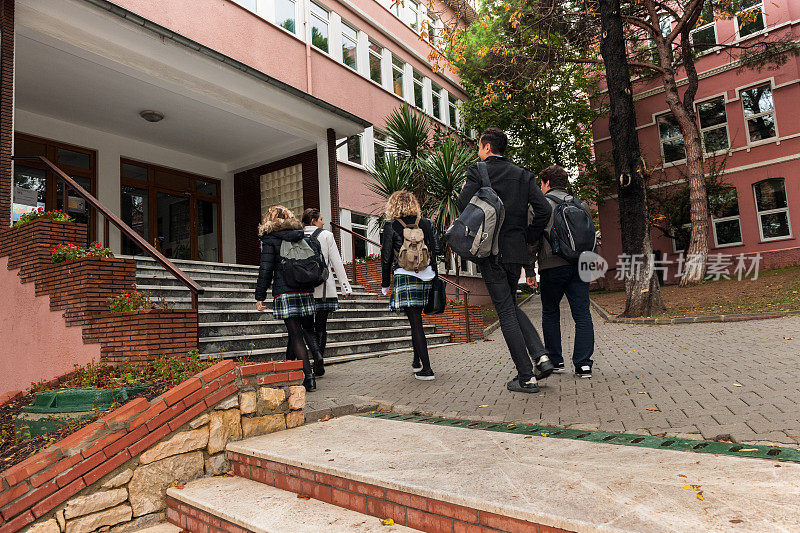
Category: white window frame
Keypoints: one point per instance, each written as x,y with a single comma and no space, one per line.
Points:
414,14
366,227
419,84
771,212
297,22
452,104
711,128
738,218
376,141
378,54
401,69
736,26
661,143
751,117
705,26
345,37
360,138
434,95
326,22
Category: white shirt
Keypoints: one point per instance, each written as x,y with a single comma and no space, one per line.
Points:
425,274
334,261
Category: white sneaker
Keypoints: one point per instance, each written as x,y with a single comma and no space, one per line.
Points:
584,372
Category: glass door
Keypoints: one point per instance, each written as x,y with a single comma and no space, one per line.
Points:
174,226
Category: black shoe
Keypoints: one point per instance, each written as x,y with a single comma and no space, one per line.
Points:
424,375
416,366
544,367
559,368
584,372
529,386
319,368
309,382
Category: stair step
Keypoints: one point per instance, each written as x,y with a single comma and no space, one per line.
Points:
332,350
215,302
258,507
237,292
513,481
250,313
255,331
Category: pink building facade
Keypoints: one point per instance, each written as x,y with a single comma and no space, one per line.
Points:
189,118
748,120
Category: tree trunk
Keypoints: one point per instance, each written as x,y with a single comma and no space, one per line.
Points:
643,293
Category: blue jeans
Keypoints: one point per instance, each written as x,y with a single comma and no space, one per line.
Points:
554,284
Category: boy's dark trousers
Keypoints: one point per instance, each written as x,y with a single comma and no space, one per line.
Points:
555,283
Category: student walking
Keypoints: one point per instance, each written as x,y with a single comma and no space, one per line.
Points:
517,188
409,249
559,277
325,299
280,226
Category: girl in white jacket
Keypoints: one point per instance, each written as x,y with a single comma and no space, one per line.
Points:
325,297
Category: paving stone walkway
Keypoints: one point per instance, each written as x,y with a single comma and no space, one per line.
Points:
705,380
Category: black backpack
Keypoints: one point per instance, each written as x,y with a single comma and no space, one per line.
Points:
474,233
302,263
573,230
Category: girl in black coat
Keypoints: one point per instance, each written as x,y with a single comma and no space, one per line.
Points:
410,290
294,307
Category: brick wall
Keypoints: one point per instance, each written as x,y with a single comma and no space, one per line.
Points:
367,274
247,198
454,322
28,246
186,427
6,107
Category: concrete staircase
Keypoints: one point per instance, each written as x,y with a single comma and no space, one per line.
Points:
230,326
441,478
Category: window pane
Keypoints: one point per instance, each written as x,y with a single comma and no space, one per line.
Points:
375,53
76,204
358,219
712,113
173,226
419,101
74,159
668,126
135,213
397,76
134,172
354,149
750,21
285,14
715,140
761,128
674,150
29,190
207,187
728,232
770,194
775,225
704,39
724,204
349,47
757,100
207,231
247,4
453,115
319,27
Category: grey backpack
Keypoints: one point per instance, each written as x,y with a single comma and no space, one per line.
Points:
474,234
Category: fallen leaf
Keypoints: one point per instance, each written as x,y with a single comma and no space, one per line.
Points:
654,409
304,496
738,385
642,393
700,495
528,437
511,426
736,521
498,363
229,473
325,418
639,377
176,485
681,475
327,449
691,487
484,405
544,434
788,338
387,522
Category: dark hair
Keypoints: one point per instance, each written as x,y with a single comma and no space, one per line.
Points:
310,215
496,138
556,176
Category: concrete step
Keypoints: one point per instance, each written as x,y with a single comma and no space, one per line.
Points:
235,292
258,327
214,303
454,478
240,315
187,266
278,338
332,350
262,508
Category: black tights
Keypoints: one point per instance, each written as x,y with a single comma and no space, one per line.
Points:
296,343
418,340
321,329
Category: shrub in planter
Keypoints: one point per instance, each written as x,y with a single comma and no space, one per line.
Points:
71,252
134,300
54,215
367,259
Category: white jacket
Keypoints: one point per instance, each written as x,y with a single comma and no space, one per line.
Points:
334,261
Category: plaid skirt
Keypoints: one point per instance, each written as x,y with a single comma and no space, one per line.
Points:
409,291
326,304
293,304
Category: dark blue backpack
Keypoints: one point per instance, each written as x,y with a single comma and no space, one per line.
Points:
573,230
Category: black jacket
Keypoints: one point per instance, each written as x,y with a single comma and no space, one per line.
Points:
392,241
269,273
517,188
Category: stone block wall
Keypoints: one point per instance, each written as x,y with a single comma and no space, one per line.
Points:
114,472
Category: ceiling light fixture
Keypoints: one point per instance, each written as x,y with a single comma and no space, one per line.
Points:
151,116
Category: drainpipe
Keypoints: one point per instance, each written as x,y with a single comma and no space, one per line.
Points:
309,88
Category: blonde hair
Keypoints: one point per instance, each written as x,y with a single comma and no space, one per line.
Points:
402,204
277,218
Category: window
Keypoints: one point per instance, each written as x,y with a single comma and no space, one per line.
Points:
319,27
680,241
772,209
381,141
397,76
349,40
354,149
724,208
413,17
285,14
430,29
375,56
704,34
419,100
672,148
713,125
247,4
751,17
452,108
359,224
437,101
759,113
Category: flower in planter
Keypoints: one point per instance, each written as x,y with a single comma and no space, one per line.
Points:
55,215
71,252
136,300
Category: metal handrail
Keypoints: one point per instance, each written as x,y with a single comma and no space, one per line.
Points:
126,230
444,279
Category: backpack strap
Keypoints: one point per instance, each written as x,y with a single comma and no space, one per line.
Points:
400,220
556,199
483,170
316,233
